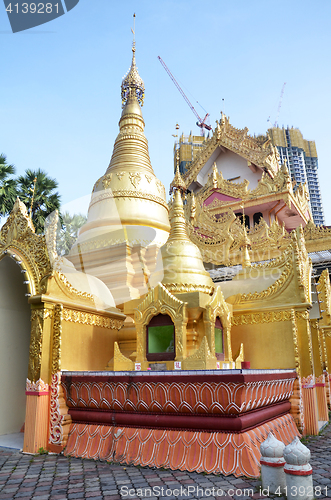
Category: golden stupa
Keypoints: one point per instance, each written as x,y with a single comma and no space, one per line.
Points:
128,213
182,268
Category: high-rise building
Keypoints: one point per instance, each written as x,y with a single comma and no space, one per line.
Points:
302,162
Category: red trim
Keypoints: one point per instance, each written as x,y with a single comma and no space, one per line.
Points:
235,423
272,464
320,385
55,448
36,393
298,472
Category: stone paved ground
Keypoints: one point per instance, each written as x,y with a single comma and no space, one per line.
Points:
54,477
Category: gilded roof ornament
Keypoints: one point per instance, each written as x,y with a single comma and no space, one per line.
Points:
132,83
178,182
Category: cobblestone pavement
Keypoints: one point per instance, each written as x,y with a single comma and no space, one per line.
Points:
55,477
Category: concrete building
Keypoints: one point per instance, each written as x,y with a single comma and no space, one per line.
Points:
302,161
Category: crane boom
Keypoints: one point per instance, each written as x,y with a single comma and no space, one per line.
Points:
280,104
201,122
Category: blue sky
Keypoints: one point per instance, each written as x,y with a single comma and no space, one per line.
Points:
60,82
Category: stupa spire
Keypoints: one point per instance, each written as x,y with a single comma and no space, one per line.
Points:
132,84
182,261
178,182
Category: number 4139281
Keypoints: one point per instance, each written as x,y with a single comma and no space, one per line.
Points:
302,491
33,8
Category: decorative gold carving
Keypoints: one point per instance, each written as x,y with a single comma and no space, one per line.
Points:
302,264
107,242
187,287
214,228
238,141
201,359
91,319
324,288
72,290
178,182
294,262
135,178
261,317
220,236
148,178
160,301
324,349
240,357
193,207
160,188
57,331
106,180
132,84
18,236
295,341
217,307
317,237
122,193
272,289
120,361
302,315
320,346
38,317
120,175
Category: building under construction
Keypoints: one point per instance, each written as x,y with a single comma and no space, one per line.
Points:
302,162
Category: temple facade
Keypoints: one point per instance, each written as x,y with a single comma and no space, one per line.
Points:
131,349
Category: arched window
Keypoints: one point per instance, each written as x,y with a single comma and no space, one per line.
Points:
160,339
241,217
219,340
257,217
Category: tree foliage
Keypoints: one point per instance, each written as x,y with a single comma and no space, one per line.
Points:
7,186
67,235
41,194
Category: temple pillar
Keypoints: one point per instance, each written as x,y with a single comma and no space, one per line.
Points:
37,389
36,417
307,372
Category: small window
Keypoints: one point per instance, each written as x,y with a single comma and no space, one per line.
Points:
219,340
241,217
257,217
160,339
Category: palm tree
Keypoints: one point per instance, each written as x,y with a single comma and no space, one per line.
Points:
67,235
36,190
8,191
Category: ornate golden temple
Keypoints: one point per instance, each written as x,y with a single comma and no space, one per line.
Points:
190,328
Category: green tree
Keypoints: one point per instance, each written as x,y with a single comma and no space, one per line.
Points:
67,235
41,193
8,191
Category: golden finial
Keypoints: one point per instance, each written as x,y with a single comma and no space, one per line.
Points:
32,199
193,206
214,176
132,84
177,183
134,34
246,261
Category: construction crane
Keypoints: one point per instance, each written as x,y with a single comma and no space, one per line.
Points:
279,105
201,122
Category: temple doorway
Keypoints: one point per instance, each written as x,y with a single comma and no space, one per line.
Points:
14,346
